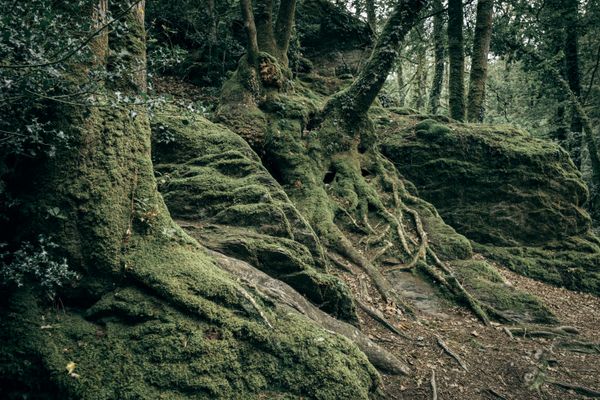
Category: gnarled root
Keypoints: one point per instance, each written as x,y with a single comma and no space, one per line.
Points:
280,293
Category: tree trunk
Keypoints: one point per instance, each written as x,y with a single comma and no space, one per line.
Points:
439,55
479,64
572,72
250,28
401,84
284,26
421,73
269,37
358,98
371,15
456,55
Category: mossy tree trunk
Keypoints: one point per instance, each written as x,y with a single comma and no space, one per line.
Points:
479,63
439,52
401,84
371,15
356,100
419,94
456,55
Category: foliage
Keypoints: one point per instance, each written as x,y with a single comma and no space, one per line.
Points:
36,45
35,264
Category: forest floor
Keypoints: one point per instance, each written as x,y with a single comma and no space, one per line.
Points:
498,366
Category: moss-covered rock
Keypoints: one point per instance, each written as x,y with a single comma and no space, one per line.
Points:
216,186
520,199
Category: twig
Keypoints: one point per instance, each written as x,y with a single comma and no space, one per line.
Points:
451,353
508,332
433,385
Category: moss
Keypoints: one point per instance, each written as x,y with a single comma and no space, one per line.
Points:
481,279
213,180
520,197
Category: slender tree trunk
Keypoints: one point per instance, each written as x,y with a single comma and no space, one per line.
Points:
456,55
572,72
401,84
421,73
283,28
358,98
250,27
479,64
371,15
439,57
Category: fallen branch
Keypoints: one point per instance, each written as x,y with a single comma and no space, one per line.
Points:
451,353
548,332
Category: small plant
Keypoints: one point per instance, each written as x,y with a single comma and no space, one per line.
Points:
34,263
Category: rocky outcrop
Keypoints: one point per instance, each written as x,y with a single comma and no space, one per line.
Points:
519,199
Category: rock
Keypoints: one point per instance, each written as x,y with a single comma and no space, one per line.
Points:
519,199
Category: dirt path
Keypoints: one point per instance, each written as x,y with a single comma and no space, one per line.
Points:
498,366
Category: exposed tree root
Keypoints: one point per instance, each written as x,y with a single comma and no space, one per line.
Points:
276,291
582,390
451,353
378,316
576,346
546,332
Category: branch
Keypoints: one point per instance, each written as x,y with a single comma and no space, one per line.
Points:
357,99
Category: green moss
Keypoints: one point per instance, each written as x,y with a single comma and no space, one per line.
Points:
520,197
211,178
481,279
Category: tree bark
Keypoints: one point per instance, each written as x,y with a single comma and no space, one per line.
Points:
250,27
263,34
439,57
371,15
456,55
421,73
572,72
284,26
479,64
401,84
358,98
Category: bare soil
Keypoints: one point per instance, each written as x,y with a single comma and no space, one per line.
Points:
498,366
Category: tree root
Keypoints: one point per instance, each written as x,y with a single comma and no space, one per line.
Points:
452,354
546,332
280,293
258,309
582,390
576,346
378,316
